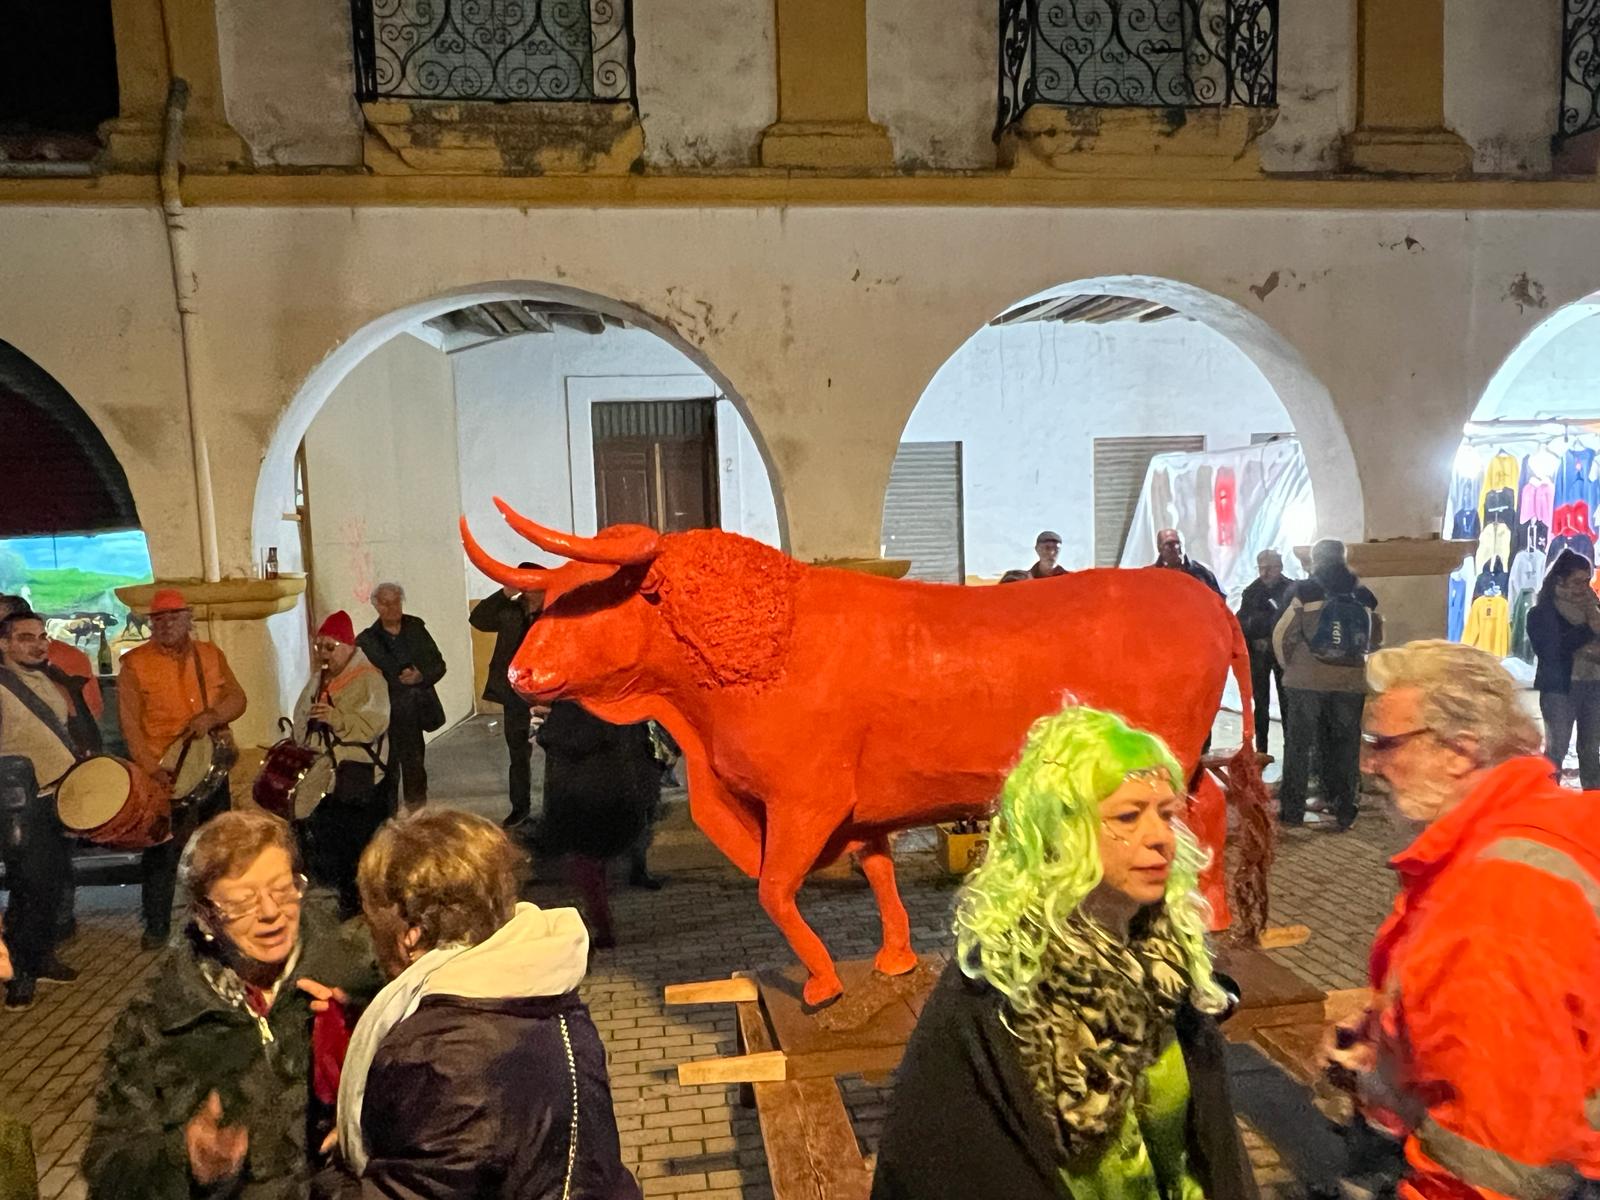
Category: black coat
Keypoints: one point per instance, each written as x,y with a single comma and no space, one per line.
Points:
475,1098
601,782
1555,642
1260,607
1195,570
509,622
413,646
964,1123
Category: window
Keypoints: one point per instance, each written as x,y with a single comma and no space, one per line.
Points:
922,511
494,50
1580,68
58,79
1137,53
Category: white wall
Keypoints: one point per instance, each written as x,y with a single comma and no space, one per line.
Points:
1502,82
931,79
383,488
524,433
1561,379
1027,401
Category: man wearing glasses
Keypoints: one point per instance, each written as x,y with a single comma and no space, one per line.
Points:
1480,1052
173,687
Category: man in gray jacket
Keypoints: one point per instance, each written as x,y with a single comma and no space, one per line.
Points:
1323,638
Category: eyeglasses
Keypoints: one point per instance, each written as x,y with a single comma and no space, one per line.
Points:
1382,743
284,895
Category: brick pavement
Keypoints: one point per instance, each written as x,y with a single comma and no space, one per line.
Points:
706,924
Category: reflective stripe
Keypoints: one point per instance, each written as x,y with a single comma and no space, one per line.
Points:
1547,859
1481,1167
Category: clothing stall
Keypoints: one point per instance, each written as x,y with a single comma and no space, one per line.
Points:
1526,491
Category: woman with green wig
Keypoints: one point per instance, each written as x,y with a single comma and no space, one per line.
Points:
1071,1051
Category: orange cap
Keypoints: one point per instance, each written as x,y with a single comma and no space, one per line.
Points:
168,600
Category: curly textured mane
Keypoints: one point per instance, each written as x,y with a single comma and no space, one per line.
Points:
730,601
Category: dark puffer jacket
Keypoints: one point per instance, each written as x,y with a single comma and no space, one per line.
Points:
178,1041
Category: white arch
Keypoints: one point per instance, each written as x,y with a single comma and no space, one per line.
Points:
1335,481
1524,352
275,484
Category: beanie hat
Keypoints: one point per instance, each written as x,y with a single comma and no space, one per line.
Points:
339,627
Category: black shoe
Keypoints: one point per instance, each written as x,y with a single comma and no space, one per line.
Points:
19,993
67,930
641,878
1344,825
53,970
1286,823
152,941
517,817
603,941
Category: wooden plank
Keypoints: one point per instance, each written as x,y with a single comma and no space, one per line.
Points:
812,1153
1293,1047
1346,1003
712,991
865,1030
768,1066
1280,936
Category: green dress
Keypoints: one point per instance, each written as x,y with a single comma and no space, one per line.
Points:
1148,1159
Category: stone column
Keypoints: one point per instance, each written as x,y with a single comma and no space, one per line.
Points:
822,90
1400,92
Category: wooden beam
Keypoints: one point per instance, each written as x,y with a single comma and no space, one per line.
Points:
1281,936
769,1066
713,991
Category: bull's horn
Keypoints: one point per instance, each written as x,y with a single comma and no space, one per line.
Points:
620,545
521,578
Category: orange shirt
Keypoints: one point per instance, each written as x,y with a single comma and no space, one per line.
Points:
158,692
75,662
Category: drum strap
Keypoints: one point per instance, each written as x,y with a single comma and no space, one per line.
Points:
30,701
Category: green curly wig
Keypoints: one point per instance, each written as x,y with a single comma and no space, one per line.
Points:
1044,856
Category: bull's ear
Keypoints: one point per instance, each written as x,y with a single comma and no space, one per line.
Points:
650,585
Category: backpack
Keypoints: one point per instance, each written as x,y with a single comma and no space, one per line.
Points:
1343,636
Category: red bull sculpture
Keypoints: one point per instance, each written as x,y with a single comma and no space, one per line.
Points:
820,710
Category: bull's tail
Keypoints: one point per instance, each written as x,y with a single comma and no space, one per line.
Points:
1247,795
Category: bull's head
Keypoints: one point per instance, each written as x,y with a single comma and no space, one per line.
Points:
633,612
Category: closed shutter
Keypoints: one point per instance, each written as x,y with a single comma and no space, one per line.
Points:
922,510
1120,465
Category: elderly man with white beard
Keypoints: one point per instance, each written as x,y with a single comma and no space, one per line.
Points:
1481,1052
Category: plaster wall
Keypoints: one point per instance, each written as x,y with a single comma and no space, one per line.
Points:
288,74
1502,82
383,487
1027,401
1316,86
707,81
524,432
931,80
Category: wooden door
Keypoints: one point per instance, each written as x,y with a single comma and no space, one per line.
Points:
655,464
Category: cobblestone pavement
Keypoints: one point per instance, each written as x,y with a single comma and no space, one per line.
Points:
704,925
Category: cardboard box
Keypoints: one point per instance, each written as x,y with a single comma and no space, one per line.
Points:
960,852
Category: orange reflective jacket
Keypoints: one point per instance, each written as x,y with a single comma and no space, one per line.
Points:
1487,975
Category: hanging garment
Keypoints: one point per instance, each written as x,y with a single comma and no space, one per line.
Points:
1578,543
1574,481
1572,520
1537,502
1226,497
1500,507
1461,511
1489,625
1494,542
1502,474
1527,573
1533,536
1492,580
1457,621
1521,645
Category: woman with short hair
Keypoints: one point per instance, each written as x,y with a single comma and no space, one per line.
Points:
477,1071
1071,1048
207,1088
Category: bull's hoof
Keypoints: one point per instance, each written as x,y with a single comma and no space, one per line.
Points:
821,989
895,962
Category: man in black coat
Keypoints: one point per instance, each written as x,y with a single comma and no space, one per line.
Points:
1260,607
509,614
1169,553
400,646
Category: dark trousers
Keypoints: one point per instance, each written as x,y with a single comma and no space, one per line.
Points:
1264,671
38,870
407,775
333,837
1578,708
1326,725
158,866
516,722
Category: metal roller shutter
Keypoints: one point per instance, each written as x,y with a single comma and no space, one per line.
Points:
1120,465
922,510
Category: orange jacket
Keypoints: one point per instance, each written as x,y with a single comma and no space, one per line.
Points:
1488,979
75,662
158,692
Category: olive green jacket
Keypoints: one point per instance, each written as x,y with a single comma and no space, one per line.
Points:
178,1041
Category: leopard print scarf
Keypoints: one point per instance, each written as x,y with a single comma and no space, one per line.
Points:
1102,1011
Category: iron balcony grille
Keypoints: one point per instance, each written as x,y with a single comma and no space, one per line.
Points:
1137,53
494,50
1580,69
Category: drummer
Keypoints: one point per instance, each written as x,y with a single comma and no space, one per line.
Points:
173,687
345,704
45,724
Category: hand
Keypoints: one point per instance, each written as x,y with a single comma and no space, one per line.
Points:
320,712
216,1152
323,996
201,723
411,676
5,963
510,593
331,1142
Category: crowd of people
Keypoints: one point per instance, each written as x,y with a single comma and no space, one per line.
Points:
359,1003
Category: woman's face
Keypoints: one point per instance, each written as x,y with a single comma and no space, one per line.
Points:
1572,586
258,910
1137,840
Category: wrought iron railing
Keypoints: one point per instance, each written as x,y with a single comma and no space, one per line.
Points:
494,49
1137,53
1580,69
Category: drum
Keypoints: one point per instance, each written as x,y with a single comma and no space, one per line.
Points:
109,801
198,765
293,780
